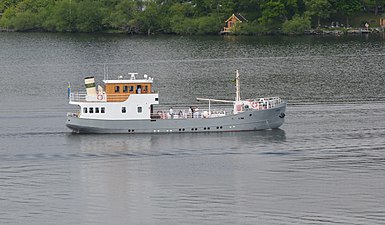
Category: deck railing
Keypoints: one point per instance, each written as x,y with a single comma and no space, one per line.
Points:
78,96
82,97
186,114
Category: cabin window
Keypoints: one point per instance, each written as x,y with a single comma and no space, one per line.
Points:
124,110
85,109
140,109
117,89
145,89
139,89
125,89
102,110
91,110
156,99
131,89
96,109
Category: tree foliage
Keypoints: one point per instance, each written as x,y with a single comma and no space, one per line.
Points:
297,25
174,16
318,8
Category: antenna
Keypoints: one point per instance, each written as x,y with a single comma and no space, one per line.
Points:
238,88
133,75
107,71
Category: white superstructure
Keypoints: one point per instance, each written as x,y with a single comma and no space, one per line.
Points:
121,99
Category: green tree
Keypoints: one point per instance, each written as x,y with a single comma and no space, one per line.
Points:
297,25
62,17
319,8
375,4
123,16
89,16
5,4
148,18
347,7
272,14
23,15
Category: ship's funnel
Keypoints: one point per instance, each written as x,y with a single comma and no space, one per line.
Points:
90,86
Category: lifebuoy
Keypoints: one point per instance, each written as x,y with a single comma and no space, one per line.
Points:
254,105
100,97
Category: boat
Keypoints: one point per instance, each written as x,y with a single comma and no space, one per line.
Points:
130,105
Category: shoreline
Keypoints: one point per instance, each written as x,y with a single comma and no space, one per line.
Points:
315,32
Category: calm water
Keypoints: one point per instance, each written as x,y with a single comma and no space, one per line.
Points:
326,165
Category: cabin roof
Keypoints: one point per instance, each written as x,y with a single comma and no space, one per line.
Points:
238,16
139,81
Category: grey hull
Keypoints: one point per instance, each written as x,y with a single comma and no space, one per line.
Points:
245,121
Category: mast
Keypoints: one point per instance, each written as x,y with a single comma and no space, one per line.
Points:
238,88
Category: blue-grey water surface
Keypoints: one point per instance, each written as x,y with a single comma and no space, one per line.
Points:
326,165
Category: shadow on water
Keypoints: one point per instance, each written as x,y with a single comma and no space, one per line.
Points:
140,145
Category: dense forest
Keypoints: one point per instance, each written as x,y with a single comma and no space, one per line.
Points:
177,16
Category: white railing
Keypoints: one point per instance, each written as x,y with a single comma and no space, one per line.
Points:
260,104
82,97
78,96
273,101
186,114
265,103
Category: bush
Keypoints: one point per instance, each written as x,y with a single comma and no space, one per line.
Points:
200,25
297,25
252,28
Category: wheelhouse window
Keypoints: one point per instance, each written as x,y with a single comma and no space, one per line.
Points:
125,89
102,110
117,89
124,110
131,89
85,110
140,109
91,110
96,109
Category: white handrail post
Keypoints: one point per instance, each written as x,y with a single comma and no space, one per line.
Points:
209,107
